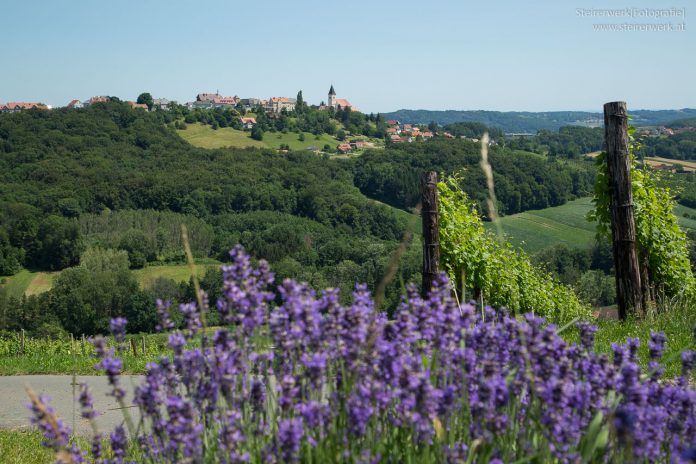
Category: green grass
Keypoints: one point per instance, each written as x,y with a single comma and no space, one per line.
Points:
23,447
176,272
32,283
535,230
677,322
204,136
275,139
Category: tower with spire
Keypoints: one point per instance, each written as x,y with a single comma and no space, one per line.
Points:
332,97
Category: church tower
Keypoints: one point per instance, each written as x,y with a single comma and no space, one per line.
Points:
332,97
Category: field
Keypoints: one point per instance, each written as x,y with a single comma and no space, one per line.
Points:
204,136
32,283
535,230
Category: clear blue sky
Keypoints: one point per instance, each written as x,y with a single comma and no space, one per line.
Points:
382,55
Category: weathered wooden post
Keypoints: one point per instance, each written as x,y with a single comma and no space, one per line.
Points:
142,345
623,227
431,229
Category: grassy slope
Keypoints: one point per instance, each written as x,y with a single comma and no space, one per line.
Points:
204,136
536,230
33,283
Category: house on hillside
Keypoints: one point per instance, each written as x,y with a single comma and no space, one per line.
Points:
426,135
358,144
393,122
395,138
75,104
15,107
278,104
393,131
343,148
248,123
162,103
96,99
250,103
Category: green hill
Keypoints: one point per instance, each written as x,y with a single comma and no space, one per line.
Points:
566,224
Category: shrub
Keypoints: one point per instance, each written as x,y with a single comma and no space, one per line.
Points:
501,275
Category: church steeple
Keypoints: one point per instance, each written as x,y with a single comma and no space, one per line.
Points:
332,97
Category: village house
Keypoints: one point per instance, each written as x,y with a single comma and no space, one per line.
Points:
15,107
162,103
344,148
96,99
395,138
278,104
358,144
250,103
393,130
76,104
426,135
393,122
248,123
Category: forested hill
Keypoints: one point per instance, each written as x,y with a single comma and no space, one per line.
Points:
523,121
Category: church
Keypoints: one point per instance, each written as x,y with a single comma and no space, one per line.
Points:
336,103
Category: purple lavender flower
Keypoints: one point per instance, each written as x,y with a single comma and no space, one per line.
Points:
656,345
290,433
163,315
587,335
86,402
119,442
118,329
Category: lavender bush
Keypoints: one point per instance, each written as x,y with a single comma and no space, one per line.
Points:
310,380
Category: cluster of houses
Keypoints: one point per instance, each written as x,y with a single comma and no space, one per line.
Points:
273,105
160,102
15,107
215,100
405,133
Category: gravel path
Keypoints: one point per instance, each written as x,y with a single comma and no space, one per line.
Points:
13,397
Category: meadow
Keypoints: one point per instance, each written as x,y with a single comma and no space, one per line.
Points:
538,229
203,136
29,283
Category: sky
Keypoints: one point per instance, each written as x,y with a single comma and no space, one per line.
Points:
382,55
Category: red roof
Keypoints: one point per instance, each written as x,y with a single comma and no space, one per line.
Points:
247,120
391,130
23,106
392,122
395,138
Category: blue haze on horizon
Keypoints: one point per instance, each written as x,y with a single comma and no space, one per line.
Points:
381,55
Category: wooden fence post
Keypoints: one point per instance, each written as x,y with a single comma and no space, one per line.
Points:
431,229
22,343
142,345
623,227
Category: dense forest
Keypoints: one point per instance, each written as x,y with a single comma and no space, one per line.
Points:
523,180
103,189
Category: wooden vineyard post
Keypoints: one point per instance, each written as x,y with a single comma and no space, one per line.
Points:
623,227
431,229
